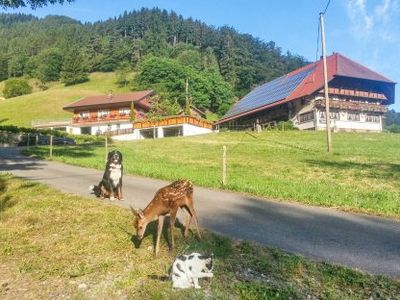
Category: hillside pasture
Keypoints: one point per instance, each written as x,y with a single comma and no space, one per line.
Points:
362,175
55,245
47,105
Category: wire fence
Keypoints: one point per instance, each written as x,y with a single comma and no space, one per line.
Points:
65,147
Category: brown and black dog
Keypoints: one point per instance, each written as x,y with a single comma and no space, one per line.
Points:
111,184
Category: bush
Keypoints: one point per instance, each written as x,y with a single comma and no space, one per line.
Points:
286,125
16,87
393,128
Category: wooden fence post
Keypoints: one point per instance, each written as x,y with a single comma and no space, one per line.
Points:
51,146
37,140
224,165
106,146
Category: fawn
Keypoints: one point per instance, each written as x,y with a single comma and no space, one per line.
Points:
167,200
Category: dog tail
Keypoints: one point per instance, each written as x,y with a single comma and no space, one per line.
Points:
94,189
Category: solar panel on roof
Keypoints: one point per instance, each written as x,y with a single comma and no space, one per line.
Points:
268,93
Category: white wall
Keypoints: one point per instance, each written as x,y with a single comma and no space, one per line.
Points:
104,128
345,125
189,130
73,130
127,137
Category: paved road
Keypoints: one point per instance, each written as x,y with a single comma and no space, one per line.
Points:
364,242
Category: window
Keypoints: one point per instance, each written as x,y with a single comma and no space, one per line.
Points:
306,117
372,118
353,116
84,114
103,113
124,111
334,115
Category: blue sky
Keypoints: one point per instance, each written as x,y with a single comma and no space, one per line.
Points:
367,31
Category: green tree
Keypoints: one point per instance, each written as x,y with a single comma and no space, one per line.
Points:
74,70
16,87
50,63
122,73
163,107
3,68
190,58
207,90
16,66
31,3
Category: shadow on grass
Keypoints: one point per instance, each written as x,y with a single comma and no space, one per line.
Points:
5,200
152,230
297,147
79,151
375,170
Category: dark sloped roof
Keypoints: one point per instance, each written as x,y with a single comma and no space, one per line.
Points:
268,93
111,99
303,82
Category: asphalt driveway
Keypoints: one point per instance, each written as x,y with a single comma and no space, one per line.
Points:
365,242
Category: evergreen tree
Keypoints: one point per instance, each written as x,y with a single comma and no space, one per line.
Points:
3,68
16,66
122,73
31,3
74,70
49,65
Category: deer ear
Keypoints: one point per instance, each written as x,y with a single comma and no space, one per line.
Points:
137,212
140,213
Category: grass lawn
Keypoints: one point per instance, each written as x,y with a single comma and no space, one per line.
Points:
55,245
363,174
47,105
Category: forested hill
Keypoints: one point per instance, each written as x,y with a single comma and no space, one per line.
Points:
243,60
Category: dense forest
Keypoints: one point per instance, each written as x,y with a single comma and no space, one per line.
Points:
220,62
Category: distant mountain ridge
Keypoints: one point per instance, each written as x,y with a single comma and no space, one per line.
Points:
243,60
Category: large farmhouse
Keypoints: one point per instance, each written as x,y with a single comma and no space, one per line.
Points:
124,116
358,98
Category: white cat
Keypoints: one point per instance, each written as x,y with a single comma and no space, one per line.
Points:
187,269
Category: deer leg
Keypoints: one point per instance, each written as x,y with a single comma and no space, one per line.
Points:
188,221
159,231
172,219
194,216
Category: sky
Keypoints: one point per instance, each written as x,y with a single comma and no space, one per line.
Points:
367,31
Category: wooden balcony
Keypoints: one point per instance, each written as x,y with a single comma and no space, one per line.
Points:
355,93
111,118
356,106
173,120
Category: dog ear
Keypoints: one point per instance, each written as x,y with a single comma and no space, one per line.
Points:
109,155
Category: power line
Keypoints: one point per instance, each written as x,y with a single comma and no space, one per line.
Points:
327,5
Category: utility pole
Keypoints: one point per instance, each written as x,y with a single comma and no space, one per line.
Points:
187,90
187,104
327,113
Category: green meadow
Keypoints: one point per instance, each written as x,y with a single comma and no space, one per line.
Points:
362,175
47,105
56,245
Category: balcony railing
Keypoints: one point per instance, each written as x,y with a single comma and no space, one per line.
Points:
357,106
173,120
354,93
101,119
